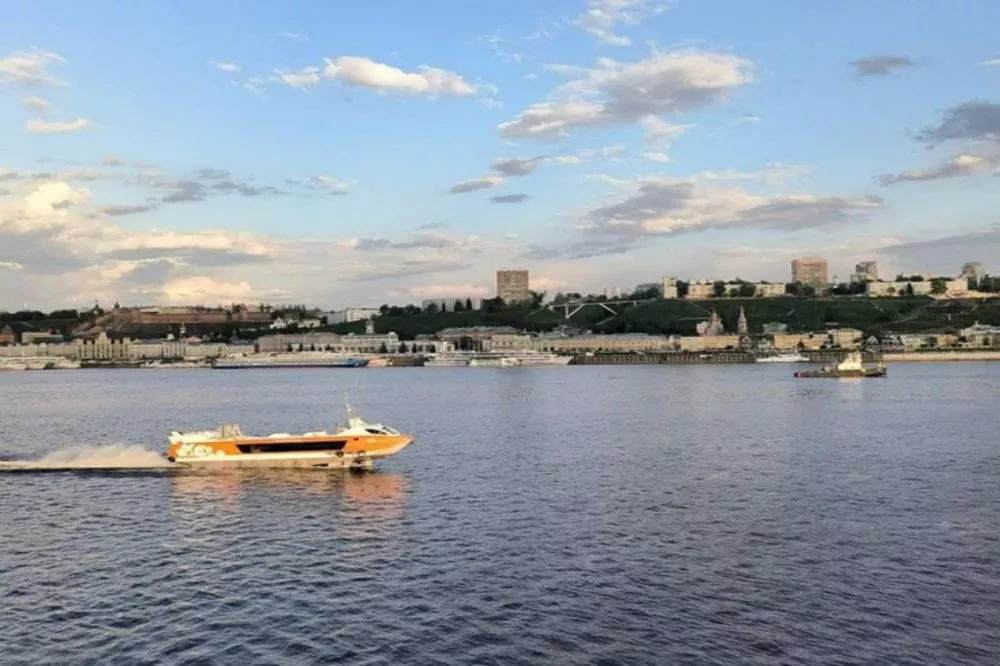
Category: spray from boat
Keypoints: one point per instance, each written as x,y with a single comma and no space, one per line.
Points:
109,456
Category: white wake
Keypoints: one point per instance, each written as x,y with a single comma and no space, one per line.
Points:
120,456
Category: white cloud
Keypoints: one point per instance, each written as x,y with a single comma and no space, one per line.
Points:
613,93
366,73
476,184
255,86
35,103
655,157
601,17
43,205
667,206
959,165
204,289
774,174
301,79
586,155
10,266
331,184
227,66
657,129
295,36
428,291
70,252
995,62
30,68
39,126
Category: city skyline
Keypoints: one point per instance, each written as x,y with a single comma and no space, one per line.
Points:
322,154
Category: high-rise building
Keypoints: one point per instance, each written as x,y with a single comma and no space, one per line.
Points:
973,269
866,271
811,271
512,286
668,287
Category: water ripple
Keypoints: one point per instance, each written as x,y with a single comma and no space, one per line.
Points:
592,515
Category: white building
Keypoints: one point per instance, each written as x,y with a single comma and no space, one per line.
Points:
953,288
668,287
613,293
349,315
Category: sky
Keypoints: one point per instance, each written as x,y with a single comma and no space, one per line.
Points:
351,154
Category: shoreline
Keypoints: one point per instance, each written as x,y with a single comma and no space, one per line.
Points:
648,358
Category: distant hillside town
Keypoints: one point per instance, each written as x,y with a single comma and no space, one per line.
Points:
808,312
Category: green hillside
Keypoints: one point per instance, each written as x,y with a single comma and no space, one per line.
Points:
874,316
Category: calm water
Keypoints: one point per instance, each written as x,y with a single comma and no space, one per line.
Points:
576,515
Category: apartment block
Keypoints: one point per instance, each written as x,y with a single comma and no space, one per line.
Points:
513,286
668,287
866,271
812,271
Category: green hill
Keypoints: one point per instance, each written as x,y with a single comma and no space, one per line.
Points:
871,315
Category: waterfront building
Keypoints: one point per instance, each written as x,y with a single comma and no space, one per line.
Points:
102,348
617,342
718,342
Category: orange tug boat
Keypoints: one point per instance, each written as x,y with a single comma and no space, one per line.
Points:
352,446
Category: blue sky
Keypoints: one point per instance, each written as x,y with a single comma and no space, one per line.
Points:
302,151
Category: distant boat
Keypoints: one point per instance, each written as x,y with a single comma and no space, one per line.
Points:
851,365
795,357
290,360
447,360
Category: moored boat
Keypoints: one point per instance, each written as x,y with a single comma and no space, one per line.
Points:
290,360
354,445
851,366
795,357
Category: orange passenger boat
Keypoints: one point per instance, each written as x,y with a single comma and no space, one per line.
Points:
355,445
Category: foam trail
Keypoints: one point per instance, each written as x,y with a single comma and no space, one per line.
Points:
95,457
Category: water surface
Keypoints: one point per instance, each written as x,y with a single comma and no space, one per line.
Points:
565,515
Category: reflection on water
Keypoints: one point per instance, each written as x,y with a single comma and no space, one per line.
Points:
367,504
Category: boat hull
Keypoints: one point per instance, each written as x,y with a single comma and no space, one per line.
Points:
334,452
840,374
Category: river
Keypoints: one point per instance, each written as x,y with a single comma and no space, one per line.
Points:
558,515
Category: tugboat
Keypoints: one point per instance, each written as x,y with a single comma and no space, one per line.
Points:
850,366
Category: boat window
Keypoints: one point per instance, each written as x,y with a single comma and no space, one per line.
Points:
292,447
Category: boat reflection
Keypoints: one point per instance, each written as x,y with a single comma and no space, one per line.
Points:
365,501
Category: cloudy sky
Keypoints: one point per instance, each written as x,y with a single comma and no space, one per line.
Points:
356,153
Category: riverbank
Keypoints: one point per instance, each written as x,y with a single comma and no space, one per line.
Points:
647,358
